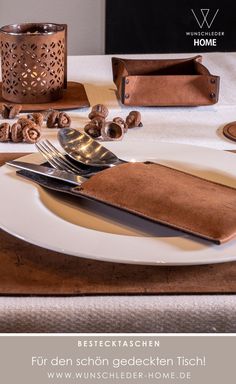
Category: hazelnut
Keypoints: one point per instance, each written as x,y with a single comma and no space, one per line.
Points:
24,121
5,132
134,119
9,111
16,133
5,111
121,122
98,121
92,130
112,131
64,120
36,117
31,134
52,119
98,110
14,111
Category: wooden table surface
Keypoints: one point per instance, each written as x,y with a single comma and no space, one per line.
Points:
26,269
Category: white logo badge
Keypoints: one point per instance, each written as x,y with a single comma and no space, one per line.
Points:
205,18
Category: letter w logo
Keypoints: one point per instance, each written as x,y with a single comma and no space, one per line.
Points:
205,13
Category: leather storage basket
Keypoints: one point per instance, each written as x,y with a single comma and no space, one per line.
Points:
168,82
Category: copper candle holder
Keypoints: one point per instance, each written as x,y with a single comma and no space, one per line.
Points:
34,62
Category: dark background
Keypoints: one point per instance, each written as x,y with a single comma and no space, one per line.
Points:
159,26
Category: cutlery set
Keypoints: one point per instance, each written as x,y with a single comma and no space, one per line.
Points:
84,149
152,191
84,158
49,172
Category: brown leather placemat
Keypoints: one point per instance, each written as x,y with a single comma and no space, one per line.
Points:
74,97
26,269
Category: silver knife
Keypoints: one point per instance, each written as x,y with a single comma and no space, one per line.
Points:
50,172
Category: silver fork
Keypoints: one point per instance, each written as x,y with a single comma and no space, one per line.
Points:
58,160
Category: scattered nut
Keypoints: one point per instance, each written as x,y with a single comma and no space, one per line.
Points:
36,117
112,131
31,134
28,128
98,110
5,132
9,111
56,119
134,119
5,111
98,121
64,120
25,130
92,130
52,119
24,121
121,122
14,111
16,133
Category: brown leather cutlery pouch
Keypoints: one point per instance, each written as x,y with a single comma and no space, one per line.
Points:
166,82
167,196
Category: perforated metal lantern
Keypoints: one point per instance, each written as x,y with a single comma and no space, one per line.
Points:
34,62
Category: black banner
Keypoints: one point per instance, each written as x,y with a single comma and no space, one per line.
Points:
152,26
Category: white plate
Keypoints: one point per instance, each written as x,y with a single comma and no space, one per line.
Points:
81,228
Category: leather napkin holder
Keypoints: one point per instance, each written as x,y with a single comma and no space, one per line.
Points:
170,82
160,194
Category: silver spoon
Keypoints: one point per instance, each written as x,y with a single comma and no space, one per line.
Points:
81,147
